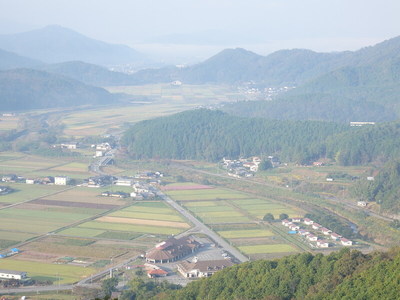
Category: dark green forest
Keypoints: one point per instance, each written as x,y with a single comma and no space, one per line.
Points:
212,135
384,189
339,275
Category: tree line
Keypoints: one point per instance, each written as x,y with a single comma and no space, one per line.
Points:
211,135
340,275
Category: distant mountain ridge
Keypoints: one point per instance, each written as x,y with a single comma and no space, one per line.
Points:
23,89
88,73
55,44
284,67
10,60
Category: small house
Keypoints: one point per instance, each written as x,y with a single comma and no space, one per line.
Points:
61,180
308,221
303,232
346,242
286,223
156,273
335,236
312,238
325,231
316,226
323,244
8,274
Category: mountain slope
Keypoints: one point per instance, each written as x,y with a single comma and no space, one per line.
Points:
284,67
88,73
365,89
22,89
9,60
54,44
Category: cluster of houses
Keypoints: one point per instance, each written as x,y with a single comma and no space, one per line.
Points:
242,167
140,189
101,149
246,167
69,146
313,232
57,180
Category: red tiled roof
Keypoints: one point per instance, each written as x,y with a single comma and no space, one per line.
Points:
157,272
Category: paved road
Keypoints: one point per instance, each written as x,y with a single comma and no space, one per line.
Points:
204,229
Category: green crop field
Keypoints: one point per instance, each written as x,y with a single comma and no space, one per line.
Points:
212,194
274,248
15,236
216,220
250,233
82,232
24,192
156,204
68,274
201,203
203,209
259,208
129,227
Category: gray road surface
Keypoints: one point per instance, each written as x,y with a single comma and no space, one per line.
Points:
204,229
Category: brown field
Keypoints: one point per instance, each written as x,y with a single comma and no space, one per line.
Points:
37,256
143,222
74,204
55,248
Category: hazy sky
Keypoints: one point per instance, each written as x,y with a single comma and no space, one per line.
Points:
201,27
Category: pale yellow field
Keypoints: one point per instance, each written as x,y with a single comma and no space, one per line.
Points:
143,222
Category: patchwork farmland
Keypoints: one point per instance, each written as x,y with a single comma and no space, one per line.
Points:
237,217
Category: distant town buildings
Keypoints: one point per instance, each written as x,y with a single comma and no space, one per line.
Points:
314,235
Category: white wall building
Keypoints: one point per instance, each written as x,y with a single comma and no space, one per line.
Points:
8,274
61,180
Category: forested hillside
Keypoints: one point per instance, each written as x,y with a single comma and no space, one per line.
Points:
384,189
340,275
23,89
368,92
211,135
363,145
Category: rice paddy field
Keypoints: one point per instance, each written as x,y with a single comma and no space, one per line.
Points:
62,274
32,166
237,217
154,218
151,101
